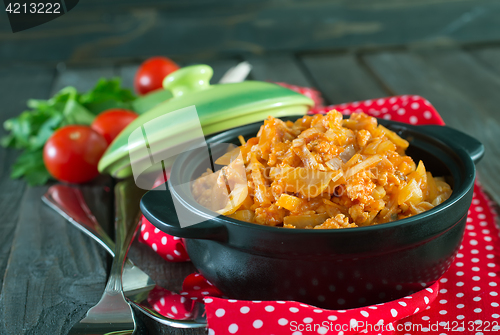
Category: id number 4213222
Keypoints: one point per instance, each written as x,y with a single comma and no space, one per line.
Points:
33,8
472,326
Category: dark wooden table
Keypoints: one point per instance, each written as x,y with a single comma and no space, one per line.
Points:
50,273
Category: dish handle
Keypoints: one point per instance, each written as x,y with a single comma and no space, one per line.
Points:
456,138
159,209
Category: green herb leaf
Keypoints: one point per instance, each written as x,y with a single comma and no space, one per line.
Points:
31,129
30,166
75,113
107,94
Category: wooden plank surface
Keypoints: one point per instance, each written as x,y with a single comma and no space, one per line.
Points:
127,73
407,73
279,68
341,78
477,82
82,78
17,84
55,273
104,32
488,56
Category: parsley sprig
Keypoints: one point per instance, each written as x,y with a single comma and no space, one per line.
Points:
32,128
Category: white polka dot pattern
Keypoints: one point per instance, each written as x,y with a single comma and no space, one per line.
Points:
173,305
409,109
168,247
222,314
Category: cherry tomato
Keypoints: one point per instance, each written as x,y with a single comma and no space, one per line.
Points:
150,75
71,154
112,121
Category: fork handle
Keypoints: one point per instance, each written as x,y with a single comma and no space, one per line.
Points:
127,197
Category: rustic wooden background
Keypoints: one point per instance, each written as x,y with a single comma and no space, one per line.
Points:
447,51
97,31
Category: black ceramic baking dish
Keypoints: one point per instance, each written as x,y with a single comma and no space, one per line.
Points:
338,268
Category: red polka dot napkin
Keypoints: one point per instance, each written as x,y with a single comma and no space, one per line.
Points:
290,317
410,109
465,300
170,248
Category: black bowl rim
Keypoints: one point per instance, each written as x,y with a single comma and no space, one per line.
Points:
457,195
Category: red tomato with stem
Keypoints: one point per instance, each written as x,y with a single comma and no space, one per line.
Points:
150,75
72,153
112,121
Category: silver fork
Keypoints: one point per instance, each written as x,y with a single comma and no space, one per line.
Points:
113,314
68,201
